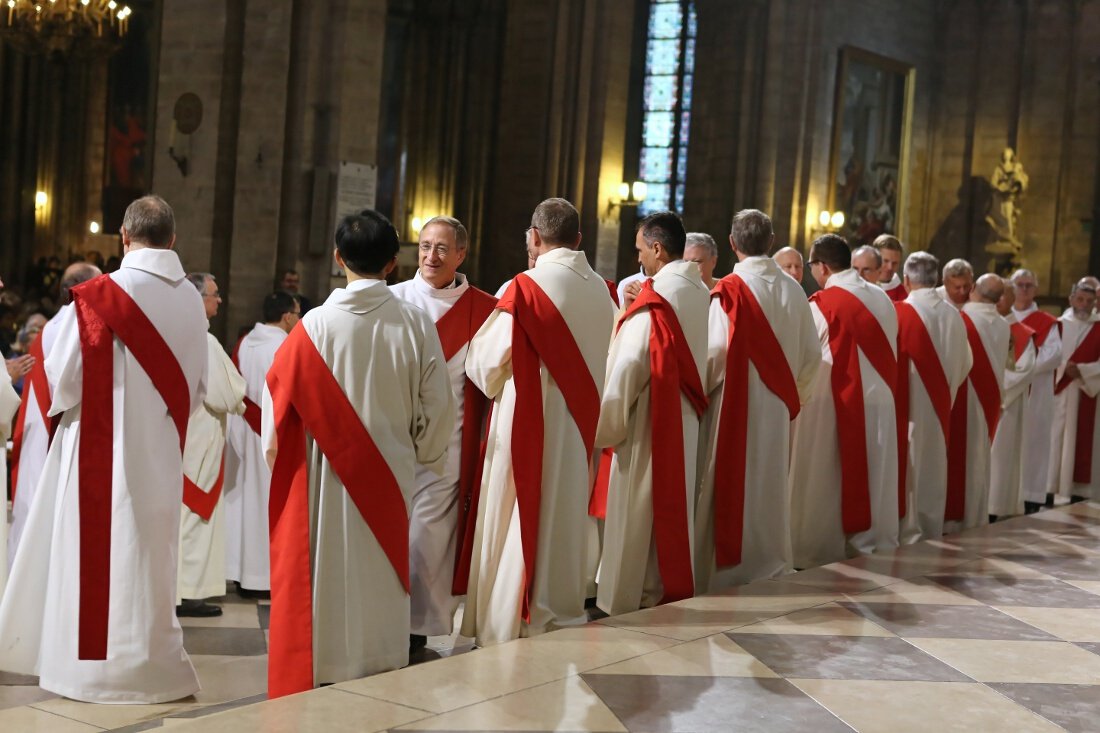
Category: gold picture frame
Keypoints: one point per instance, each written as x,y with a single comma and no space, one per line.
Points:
869,160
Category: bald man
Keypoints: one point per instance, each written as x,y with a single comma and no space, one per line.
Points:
31,436
789,260
867,262
977,407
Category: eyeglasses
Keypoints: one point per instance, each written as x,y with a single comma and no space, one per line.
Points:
440,250
216,294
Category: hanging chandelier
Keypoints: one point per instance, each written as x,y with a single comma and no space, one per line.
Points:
64,27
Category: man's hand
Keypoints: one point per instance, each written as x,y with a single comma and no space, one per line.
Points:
20,366
1073,371
631,292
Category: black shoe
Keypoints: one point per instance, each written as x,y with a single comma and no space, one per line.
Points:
1031,507
1077,499
417,642
992,518
1049,503
197,609
257,595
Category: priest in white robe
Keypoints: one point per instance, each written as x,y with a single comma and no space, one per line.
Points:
31,436
1075,454
1006,498
247,476
439,509
977,407
356,398
1038,420
9,404
844,467
935,354
958,282
531,558
90,606
790,261
743,533
650,416
202,537
890,254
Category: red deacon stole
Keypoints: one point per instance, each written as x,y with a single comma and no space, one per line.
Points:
897,293
104,312
672,371
37,384
540,334
1087,352
915,346
751,339
1041,323
984,379
1021,335
306,398
852,329
456,327
252,414
203,502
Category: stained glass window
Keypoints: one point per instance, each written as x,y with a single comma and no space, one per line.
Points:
669,64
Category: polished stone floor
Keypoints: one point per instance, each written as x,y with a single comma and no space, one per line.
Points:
993,629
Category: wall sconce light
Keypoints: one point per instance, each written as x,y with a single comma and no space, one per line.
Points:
630,194
93,227
831,221
40,200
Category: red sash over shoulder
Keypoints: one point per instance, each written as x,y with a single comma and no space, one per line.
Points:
305,398
852,328
673,371
915,346
1041,323
986,388
1021,335
751,339
1087,352
203,502
35,384
104,312
540,334
897,293
456,327
614,291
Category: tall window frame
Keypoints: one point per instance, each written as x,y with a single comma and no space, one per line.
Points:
666,111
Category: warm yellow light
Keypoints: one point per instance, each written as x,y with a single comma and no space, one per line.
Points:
640,189
823,218
417,222
624,191
40,199
112,4
93,227
838,219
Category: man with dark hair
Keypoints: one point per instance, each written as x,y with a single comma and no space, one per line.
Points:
247,476
1075,455
890,254
541,356
844,469
91,604
762,355
657,354
977,408
441,525
356,398
202,542
290,281
31,437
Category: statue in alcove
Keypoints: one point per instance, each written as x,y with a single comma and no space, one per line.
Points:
1009,182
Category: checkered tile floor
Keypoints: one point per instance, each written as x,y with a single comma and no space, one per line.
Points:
993,629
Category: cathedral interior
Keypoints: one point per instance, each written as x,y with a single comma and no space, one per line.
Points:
967,128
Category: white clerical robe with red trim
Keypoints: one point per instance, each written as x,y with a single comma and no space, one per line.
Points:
39,616
9,404
247,476
1006,497
386,357
36,440
994,332
202,541
1064,445
629,576
817,530
766,533
494,601
1038,421
926,467
433,508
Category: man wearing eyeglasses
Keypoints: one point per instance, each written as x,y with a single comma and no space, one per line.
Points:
202,543
1038,420
440,516
844,470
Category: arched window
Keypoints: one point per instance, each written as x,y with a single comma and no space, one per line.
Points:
666,122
